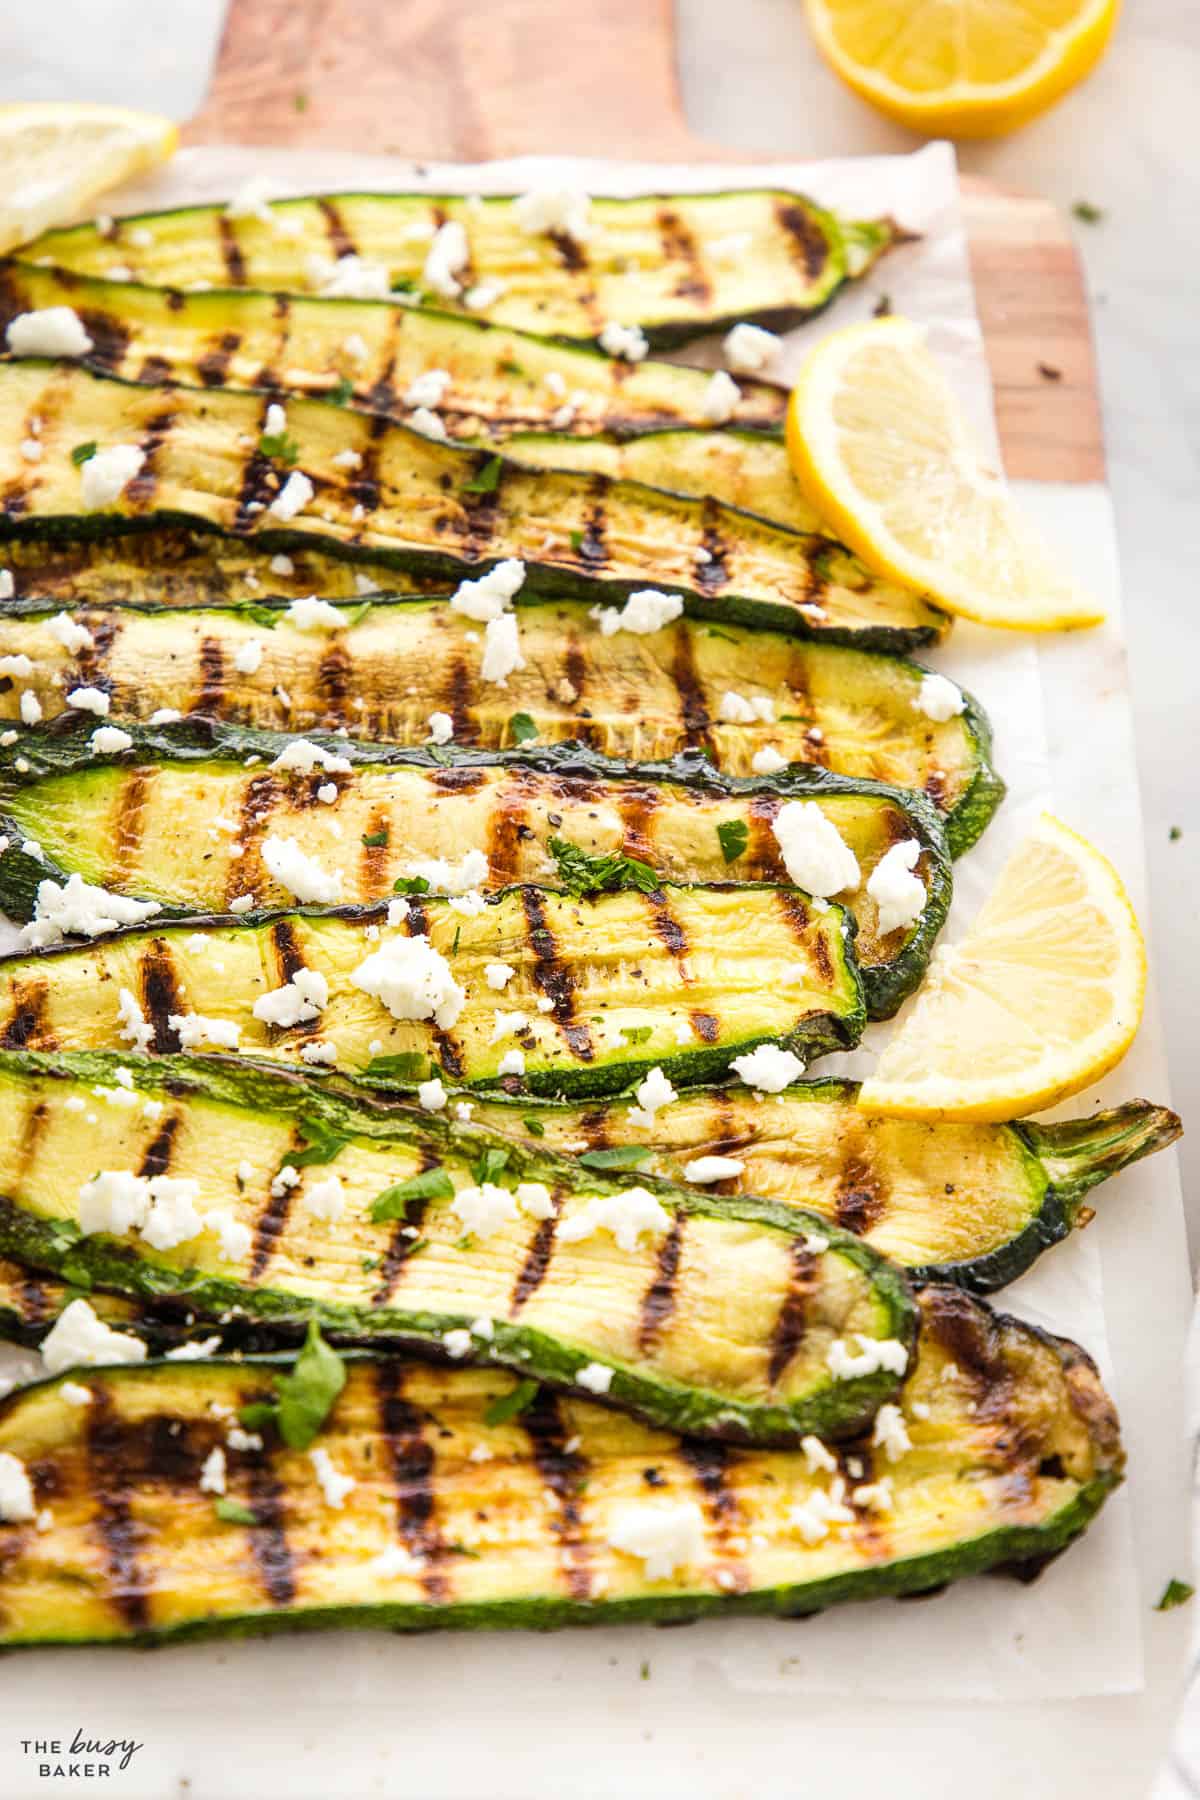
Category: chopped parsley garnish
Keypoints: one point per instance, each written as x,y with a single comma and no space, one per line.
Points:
457,936
304,1397
522,728
234,1513
636,1034
1089,214
405,1065
1175,833
618,1156
375,840
509,1406
582,873
534,1127
490,1165
430,1184
279,446
1176,1593
84,453
485,480
466,1241
733,835
342,391
577,540
410,884
509,367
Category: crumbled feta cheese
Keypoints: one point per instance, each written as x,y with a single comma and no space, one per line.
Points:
334,1485
873,1354
78,1337
193,1029
72,636
114,1201
431,1095
628,342
428,423
132,1022
501,650
311,614
429,388
484,1210
319,1056
644,611
275,423
749,349
484,294
303,756
703,1169
939,699
75,1394
297,1002
394,1560
233,1235
89,699
535,1198
287,1178
241,903
441,728
325,1199
50,331
818,1459
31,450
720,398
450,878
16,1490
194,1350
292,497
595,1377
768,761
300,873
237,1439
891,1433
897,892
448,257
19,666
412,980
815,854
511,1063
665,1535
397,912
107,474
492,594
565,210
250,201
768,1068
347,459
351,277
282,565
109,740
31,709
79,910
166,715
652,1092
457,1343
248,657
555,382
6,584
822,1509
327,793
355,347
625,1215
742,709
212,1475
498,974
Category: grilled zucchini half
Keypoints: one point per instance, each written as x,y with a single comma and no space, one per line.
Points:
140,823
499,381
971,1204
697,1312
675,264
424,506
641,697
478,1502
602,989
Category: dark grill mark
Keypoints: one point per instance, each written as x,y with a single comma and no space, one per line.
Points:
268,1539
35,1125
713,575
710,1463
258,488
212,677
552,977
412,1461
460,693
573,256
36,1308
340,241
564,1473
154,371
935,787
680,246
334,673
668,927
808,242
157,1157
287,949
262,795
637,807
374,862
417,925
141,488
131,812
658,1302
505,825
160,996
696,721
797,915
105,628
213,366
110,339
235,262
860,1204
537,1260
27,1019
706,1026
120,1535
270,1225
593,549
788,1333
400,1248
382,400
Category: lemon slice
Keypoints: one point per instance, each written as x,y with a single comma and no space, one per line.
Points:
55,159
880,447
962,68
1041,998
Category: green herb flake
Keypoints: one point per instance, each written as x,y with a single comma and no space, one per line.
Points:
577,540
637,1034
430,1184
522,728
84,453
375,840
279,446
1087,213
457,936
466,1241
233,1512
509,367
485,480
733,835
582,873
406,1065
342,391
1175,833
490,1164
645,1671
1176,1593
300,102
534,1127
307,1394
618,1156
410,884
510,1406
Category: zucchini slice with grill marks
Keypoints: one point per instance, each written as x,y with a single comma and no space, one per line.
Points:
675,264
971,1204
643,697
478,1502
683,977
140,823
500,381
699,1313
423,506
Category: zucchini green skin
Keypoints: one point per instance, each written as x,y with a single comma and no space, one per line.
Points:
1026,1194
223,1110
649,262
575,775
47,997
428,508
1027,1427
238,338
639,698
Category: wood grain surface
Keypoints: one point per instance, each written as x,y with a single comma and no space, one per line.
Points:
464,80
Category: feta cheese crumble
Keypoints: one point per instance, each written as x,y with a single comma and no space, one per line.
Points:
665,1535
492,594
484,1210
746,709
194,1030
69,633
447,258
897,892
89,699
431,1095
749,349
498,974
109,740
768,761
50,331
248,657
768,1068
303,757
644,611
79,1338
325,1199
106,475
429,388
939,699
292,497
441,728
563,210
412,980
311,614
891,1433
351,277
703,1169
625,1216
595,1377
627,342
297,1002
16,1490
212,1473
80,910
720,398
300,873
652,1092
501,650
815,854
873,1354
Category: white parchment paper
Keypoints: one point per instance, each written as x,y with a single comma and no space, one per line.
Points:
1075,1632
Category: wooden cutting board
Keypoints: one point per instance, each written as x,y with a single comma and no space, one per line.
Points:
464,80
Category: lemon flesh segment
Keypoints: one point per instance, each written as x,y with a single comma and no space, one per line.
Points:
1041,998
55,160
880,447
962,68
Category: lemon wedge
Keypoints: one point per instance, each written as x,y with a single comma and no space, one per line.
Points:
962,68
1041,998
879,445
56,158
